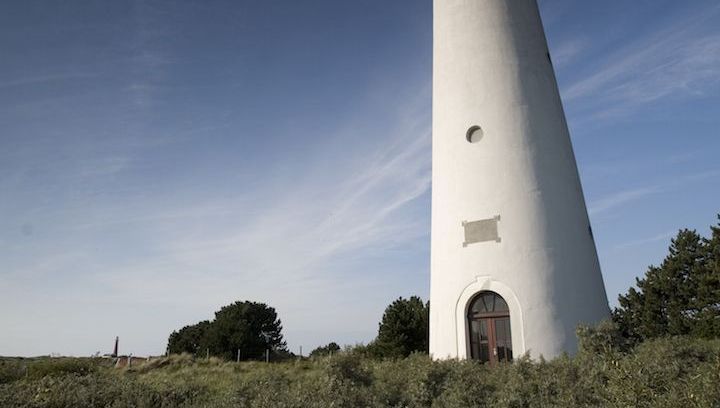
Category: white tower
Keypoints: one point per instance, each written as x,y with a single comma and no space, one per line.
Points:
508,215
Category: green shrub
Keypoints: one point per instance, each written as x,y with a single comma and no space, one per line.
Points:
11,370
665,372
348,368
327,350
468,385
97,390
39,368
603,341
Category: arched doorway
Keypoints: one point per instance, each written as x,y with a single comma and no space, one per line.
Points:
489,323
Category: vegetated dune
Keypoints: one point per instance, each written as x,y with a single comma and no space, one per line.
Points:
667,372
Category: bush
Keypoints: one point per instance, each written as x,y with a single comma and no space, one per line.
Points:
665,372
603,340
11,370
327,350
98,390
55,367
348,368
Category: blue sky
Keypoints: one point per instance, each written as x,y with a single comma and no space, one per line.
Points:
161,159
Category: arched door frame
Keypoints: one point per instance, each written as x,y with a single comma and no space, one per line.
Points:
483,284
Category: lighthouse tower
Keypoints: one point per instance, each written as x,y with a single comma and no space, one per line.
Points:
514,267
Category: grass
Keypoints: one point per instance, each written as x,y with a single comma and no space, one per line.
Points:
669,372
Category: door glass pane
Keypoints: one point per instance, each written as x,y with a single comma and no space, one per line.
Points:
478,306
508,337
488,303
500,305
487,300
474,339
504,342
484,353
499,330
500,339
479,348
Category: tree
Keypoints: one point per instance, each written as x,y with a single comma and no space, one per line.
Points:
404,329
707,302
249,327
681,296
190,339
329,349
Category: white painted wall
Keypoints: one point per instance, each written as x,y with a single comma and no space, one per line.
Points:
492,69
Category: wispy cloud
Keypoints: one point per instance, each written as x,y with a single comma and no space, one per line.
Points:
148,59
354,206
566,52
104,166
623,197
680,158
295,240
642,241
620,198
42,79
683,59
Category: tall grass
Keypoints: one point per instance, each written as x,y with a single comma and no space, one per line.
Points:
671,372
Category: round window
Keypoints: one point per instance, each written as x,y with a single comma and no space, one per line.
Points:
474,134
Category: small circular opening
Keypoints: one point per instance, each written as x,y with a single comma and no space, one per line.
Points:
474,134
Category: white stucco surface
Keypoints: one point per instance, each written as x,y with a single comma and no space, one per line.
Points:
492,69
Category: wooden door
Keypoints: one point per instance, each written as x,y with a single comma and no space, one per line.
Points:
489,324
